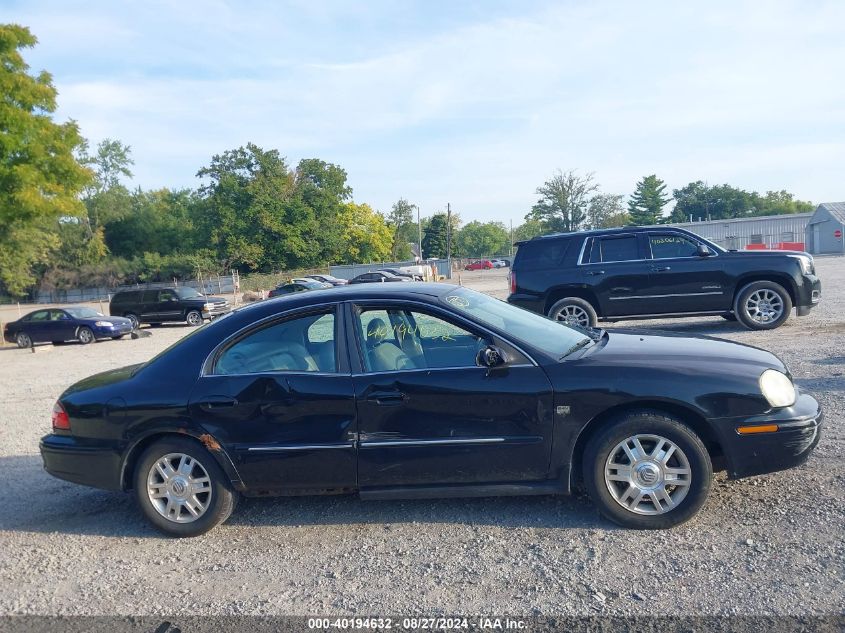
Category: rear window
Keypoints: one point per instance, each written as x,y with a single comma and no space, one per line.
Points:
541,253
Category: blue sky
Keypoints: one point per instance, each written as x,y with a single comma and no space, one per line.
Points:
470,103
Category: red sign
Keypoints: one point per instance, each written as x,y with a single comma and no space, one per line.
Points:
837,234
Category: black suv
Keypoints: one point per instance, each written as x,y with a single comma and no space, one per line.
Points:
640,273
158,305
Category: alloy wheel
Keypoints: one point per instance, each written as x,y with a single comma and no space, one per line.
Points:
647,474
194,318
764,306
23,340
85,336
573,315
179,488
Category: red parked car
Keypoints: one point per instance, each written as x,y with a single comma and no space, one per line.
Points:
484,264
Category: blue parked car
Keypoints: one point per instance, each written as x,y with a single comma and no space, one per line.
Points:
73,323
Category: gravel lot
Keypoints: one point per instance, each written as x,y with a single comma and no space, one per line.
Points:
771,545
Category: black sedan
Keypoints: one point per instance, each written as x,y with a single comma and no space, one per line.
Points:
298,285
378,276
427,390
57,325
330,279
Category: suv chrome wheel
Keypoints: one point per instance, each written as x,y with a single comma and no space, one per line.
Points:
764,306
179,488
647,474
194,318
573,315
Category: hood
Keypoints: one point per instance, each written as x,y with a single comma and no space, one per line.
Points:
104,379
114,320
769,253
684,353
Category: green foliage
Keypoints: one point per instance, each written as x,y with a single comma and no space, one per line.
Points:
366,236
647,202
701,202
563,202
404,227
434,236
40,178
529,229
606,211
478,239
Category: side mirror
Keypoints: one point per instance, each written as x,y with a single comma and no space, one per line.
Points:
491,357
703,251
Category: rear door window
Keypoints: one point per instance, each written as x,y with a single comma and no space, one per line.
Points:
619,249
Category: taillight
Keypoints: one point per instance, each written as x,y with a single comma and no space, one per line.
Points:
513,281
60,420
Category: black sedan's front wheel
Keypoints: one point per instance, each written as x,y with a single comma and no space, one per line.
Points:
23,340
181,489
647,470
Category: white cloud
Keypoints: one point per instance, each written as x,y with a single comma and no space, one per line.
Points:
474,111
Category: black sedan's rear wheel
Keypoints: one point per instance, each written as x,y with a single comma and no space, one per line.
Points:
181,489
23,340
647,470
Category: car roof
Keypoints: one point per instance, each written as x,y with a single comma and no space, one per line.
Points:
417,290
594,232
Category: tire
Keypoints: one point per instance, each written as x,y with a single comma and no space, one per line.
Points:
616,491
136,323
574,310
763,305
193,318
23,340
215,503
85,336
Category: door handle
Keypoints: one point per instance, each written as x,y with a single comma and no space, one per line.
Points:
660,269
596,272
218,402
386,398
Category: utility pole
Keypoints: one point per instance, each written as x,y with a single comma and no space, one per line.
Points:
449,239
511,238
419,228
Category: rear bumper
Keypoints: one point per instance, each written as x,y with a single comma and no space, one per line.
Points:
527,302
67,458
799,431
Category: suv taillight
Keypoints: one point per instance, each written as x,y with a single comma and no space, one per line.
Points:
60,420
513,281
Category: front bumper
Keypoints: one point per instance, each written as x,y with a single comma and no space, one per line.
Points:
809,295
216,310
799,430
67,458
116,330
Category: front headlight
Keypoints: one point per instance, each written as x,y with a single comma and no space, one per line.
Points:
807,267
104,324
207,306
777,388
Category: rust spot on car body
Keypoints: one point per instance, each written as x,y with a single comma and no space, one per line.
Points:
210,443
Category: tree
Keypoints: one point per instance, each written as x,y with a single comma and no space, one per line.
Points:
563,202
366,236
606,211
434,236
106,198
478,239
401,222
40,178
529,229
647,202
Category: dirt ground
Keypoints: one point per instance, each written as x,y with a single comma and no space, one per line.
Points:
772,545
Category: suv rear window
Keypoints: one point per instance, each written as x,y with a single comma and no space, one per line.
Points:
541,253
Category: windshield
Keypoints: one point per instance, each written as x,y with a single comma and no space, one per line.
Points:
83,313
188,293
552,337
